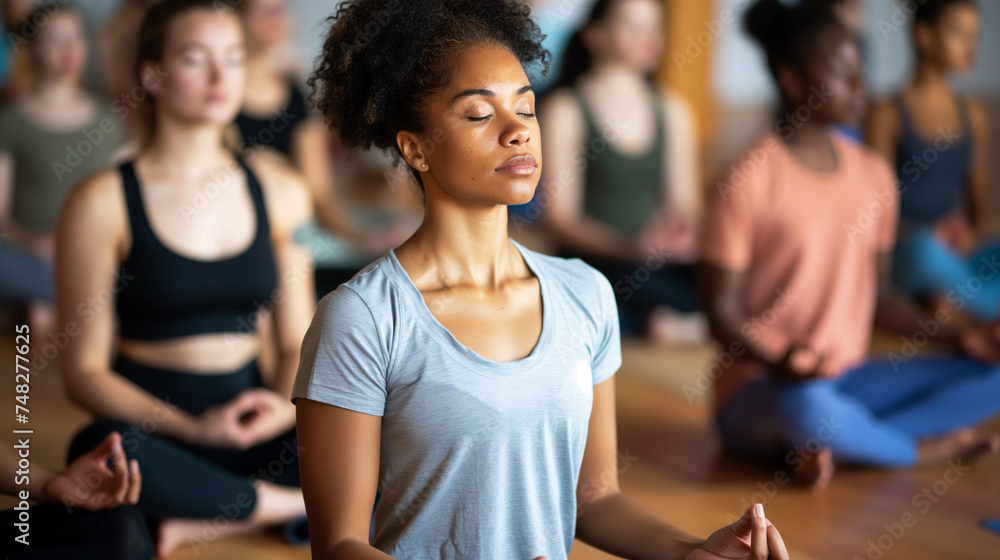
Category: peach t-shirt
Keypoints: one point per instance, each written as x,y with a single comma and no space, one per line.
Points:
808,242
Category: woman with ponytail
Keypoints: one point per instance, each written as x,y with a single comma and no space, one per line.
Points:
621,184
164,266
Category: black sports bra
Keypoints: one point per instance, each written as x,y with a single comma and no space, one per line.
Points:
167,295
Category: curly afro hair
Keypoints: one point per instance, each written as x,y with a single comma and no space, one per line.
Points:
383,59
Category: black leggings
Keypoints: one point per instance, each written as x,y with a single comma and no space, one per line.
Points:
58,532
180,479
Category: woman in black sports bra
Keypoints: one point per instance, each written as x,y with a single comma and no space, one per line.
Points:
187,245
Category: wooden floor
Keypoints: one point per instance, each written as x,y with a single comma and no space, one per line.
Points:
670,461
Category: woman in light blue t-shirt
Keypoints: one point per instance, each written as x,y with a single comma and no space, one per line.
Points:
464,377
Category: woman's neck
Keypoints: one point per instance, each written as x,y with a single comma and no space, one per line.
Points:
614,74
462,245
810,142
261,64
185,149
58,91
930,78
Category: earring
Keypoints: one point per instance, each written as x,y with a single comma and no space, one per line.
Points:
423,166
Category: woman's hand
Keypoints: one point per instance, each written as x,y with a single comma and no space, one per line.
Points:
956,232
253,416
982,343
752,537
88,483
272,414
800,363
671,233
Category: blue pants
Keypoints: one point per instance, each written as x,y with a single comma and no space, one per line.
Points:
924,265
872,415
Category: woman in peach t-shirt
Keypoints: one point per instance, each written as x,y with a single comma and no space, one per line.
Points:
795,271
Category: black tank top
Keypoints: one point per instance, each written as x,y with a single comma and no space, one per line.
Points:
276,130
167,295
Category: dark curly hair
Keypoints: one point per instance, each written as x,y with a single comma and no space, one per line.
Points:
788,33
382,60
929,11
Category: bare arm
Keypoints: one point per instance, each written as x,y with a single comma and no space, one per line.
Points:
683,188
9,232
896,312
978,183
721,291
883,129
34,482
290,208
89,235
607,518
339,463
562,178
313,159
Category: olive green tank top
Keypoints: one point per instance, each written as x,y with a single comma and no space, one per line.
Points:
48,163
620,189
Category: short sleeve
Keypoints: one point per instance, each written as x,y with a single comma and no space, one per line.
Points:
727,238
343,360
607,357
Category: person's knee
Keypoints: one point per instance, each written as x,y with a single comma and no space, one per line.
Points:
809,410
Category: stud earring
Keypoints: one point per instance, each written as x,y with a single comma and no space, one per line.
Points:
423,166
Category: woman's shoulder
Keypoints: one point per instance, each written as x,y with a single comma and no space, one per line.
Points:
287,195
367,305
572,278
96,202
872,161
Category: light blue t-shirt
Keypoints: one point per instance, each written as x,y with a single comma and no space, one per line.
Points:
479,459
